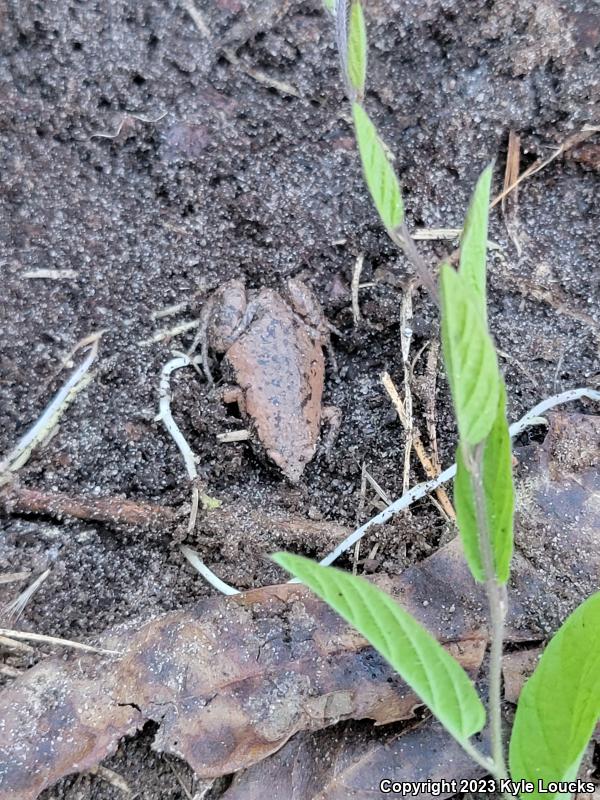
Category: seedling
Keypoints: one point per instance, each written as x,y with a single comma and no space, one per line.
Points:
560,704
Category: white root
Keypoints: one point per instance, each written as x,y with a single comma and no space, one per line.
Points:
533,417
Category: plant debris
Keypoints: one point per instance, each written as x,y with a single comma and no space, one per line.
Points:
230,680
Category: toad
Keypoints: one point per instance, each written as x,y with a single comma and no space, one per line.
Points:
273,351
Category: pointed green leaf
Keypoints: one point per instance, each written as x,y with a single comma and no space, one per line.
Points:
470,358
418,657
560,704
379,175
357,49
499,499
473,241
329,5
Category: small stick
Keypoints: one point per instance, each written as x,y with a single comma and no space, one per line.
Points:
355,286
113,778
406,315
38,637
13,577
430,413
233,436
50,274
170,333
359,510
11,644
97,509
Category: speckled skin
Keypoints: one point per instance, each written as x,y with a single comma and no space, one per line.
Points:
279,369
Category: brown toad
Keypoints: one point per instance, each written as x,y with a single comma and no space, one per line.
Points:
273,350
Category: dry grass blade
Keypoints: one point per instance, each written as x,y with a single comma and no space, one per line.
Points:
513,163
13,577
428,465
356,273
41,429
42,639
12,644
13,610
540,164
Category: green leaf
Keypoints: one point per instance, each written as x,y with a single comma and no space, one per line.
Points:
329,5
421,661
473,241
499,499
379,175
470,358
357,49
560,704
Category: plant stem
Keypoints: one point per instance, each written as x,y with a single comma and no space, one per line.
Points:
402,239
496,596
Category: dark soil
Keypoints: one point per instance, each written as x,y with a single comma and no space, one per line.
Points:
235,178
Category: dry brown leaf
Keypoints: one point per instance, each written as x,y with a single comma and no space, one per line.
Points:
232,679
350,760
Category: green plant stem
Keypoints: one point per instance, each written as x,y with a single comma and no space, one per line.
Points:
402,239
496,596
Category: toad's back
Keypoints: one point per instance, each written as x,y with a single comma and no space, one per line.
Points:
280,369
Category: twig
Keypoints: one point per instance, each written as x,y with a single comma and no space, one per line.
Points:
406,315
13,577
98,509
50,274
170,333
233,436
532,417
355,286
20,453
38,637
11,644
197,18
359,511
259,76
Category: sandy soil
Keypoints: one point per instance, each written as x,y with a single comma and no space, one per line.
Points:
226,176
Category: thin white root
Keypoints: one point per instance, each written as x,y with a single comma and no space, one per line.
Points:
532,417
208,575
38,432
165,416
38,637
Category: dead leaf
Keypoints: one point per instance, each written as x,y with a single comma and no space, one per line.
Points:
516,669
351,760
232,679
